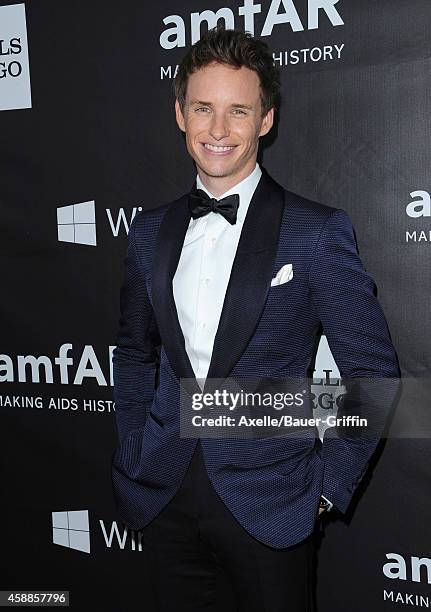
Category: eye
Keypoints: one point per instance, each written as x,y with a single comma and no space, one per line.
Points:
202,109
238,111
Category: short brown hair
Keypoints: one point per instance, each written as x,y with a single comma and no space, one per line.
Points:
234,48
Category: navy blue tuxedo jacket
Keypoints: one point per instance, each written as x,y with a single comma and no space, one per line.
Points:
271,485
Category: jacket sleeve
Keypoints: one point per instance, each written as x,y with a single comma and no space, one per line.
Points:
344,295
136,357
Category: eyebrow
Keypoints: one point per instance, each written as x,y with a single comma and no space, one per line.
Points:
201,102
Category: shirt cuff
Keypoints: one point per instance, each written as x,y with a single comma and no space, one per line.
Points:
329,502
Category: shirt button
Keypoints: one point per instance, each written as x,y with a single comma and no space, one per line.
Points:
213,240
207,280
204,325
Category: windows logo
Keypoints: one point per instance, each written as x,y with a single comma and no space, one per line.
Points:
70,528
77,223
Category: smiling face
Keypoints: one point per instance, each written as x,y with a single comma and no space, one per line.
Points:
222,120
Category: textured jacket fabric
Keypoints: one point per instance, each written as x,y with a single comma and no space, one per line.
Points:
271,485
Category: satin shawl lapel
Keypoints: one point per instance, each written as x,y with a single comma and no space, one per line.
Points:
166,257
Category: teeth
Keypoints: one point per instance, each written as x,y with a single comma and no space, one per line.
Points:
216,149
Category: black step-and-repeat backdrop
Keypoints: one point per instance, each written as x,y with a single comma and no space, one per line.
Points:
87,139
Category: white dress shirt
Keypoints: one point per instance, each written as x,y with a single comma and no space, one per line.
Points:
203,272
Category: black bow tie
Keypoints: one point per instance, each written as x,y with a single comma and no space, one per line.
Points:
200,204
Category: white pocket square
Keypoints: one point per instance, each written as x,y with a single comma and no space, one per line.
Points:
284,274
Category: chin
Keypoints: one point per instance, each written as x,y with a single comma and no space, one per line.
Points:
220,173
217,171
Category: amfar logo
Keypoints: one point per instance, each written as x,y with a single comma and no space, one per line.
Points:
280,12
417,209
77,223
420,207
33,369
71,528
414,569
400,569
15,90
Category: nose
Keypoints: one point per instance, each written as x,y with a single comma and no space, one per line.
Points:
219,127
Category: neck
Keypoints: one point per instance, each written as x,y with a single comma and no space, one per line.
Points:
218,185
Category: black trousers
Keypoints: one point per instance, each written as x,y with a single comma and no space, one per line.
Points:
195,535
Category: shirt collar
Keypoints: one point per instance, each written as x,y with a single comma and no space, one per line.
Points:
244,188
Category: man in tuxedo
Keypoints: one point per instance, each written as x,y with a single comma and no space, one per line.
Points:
236,278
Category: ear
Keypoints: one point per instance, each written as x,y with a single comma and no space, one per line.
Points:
179,116
267,122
